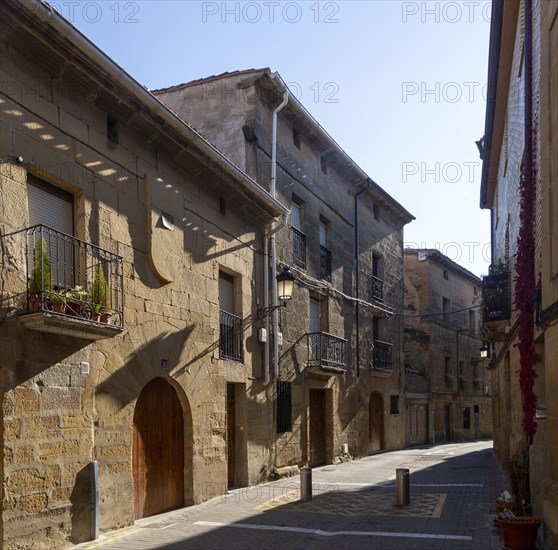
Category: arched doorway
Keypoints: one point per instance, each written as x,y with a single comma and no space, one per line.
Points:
376,421
158,452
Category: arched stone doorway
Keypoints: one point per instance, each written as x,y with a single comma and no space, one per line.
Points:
376,421
158,450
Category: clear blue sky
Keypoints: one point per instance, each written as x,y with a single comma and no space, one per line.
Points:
400,86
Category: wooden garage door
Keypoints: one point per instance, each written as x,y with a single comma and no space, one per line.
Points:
158,454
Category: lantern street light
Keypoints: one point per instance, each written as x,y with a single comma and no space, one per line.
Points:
484,351
285,286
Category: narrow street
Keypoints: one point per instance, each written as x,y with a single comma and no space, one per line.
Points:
453,488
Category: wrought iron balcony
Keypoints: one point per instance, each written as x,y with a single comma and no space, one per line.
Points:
327,352
299,248
377,289
325,263
382,356
73,287
230,338
496,294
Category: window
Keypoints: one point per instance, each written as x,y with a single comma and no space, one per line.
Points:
447,367
472,323
376,212
230,338
112,129
393,404
375,328
296,138
299,238
284,408
446,309
446,276
377,280
50,206
315,316
325,254
54,208
323,165
466,418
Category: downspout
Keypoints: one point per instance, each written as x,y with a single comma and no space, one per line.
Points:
357,275
275,314
272,229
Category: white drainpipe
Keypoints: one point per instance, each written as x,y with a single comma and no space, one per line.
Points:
275,313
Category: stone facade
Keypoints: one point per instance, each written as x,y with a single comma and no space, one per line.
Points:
176,215
356,394
503,157
447,383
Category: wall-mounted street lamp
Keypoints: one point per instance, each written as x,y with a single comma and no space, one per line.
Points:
285,286
484,351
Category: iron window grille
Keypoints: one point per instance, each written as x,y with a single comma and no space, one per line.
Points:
230,338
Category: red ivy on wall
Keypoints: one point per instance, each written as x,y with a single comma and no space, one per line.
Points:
526,287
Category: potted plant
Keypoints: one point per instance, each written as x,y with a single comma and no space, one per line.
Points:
519,528
100,296
40,281
77,299
58,300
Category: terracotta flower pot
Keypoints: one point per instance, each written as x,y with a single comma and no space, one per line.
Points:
519,532
33,303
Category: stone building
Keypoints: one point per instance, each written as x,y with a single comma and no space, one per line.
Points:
520,182
447,383
130,276
335,350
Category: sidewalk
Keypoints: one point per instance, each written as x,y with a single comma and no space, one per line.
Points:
453,488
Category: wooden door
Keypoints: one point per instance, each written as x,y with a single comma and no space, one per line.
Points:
231,440
376,415
317,428
422,424
447,422
158,450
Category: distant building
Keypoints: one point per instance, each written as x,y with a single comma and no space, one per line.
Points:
520,184
446,381
335,354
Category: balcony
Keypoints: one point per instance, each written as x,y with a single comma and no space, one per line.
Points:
325,264
299,248
382,357
230,337
327,352
73,288
496,294
377,289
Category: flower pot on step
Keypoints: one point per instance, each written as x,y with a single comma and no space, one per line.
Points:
519,532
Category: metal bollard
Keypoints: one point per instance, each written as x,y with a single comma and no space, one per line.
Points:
305,484
402,489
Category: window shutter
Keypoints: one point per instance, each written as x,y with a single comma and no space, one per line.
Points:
50,206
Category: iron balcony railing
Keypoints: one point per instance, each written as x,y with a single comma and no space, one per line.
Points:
73,278
299,248
327,351
230,338
377,289
496,294
325,263
382,356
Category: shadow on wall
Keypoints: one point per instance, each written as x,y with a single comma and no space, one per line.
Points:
129,374
80,510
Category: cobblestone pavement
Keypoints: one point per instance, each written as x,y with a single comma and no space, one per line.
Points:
453,488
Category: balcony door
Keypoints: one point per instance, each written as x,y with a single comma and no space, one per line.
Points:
54,208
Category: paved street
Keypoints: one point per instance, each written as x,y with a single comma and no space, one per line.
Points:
453,488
